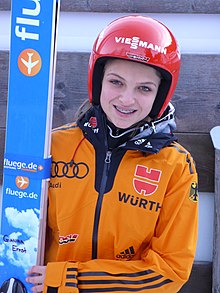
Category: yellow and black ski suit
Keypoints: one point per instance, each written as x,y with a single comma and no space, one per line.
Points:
121,220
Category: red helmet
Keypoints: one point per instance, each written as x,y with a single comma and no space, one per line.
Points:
140,39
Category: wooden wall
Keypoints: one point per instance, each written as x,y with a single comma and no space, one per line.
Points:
197,98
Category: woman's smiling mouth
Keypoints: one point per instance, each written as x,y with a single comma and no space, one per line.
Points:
124,111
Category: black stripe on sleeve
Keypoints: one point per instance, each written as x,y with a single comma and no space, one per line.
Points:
130,282
102,274
71,269
52,290
126,289
138,282
70,284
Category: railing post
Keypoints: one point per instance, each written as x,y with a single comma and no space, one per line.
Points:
215,135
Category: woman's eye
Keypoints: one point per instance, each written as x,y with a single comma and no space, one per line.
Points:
145,88
115,82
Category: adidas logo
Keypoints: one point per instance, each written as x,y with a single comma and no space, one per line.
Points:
148,145
127,254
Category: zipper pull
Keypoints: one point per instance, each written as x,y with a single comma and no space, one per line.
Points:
108,157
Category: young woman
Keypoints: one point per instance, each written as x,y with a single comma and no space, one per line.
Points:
123,199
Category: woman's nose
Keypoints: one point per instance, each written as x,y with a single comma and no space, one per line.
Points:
127,97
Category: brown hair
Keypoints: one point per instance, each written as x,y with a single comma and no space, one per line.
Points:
82,110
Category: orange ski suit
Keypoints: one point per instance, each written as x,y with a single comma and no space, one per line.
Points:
120,220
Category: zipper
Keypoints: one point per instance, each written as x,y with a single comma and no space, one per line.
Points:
99,204
108,157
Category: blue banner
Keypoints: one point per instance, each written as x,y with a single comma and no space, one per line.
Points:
36,168
27,148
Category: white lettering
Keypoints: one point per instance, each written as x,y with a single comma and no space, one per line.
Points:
150,46
164,50
21,194
16,165
157,48
118,40
24,35
21,31
135,42
128,41
143,44
34,22
32,12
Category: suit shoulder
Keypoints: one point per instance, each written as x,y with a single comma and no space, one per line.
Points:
65,127
179,148
65,133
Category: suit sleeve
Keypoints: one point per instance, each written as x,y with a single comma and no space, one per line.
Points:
165,264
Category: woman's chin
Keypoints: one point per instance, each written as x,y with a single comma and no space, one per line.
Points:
122,125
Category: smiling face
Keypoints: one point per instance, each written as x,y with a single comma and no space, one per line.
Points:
128,91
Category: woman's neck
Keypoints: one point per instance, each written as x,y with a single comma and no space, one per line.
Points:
117,136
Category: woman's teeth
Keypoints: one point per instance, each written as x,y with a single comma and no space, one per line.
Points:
124,111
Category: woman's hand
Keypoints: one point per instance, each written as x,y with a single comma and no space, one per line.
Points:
36,276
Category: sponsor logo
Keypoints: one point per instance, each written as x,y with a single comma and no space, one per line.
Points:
127,254
140,141
193,195
136,42
138,57
40,168
26,27
22,182
29,62
148,145
18,165
68,238
20,194
91,124
140,184
55,185
69,170
136,201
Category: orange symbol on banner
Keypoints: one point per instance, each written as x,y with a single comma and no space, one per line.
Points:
22,182
29,62
40,168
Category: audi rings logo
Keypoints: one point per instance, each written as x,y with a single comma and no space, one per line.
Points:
69,170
